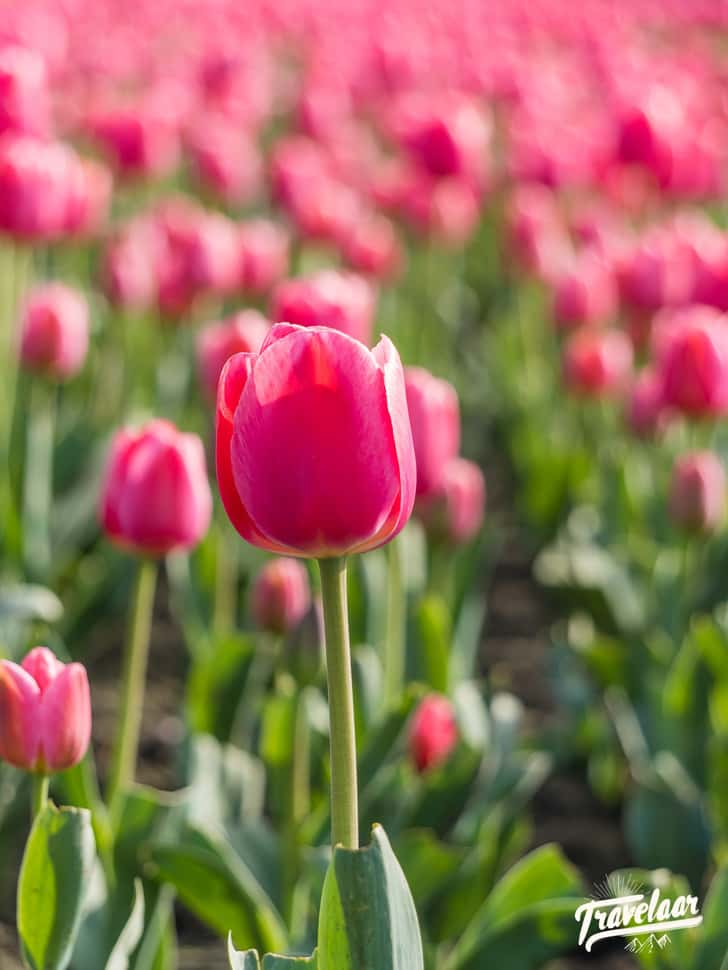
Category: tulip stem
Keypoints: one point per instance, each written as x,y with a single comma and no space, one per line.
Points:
226,582
39,794
38,480
123,763
344,795
395,636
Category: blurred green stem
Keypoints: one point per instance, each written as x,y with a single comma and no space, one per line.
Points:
226,581
123,763
300,804
38,793
395,637
38,479
344,794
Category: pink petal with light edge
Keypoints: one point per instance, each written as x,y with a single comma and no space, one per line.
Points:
43,666
313,451
65,719
20,729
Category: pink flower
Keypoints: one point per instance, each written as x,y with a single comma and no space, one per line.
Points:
89,198
329,298
156,496
225,161
433,732
448,140
138,139
598,363
280,595
646,412
454,511
24,102
698,492
45,713
35,181
585,293
242,333
693,362
314,447
434,413
55,327
373,248
263,254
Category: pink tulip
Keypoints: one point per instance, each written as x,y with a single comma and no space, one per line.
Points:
373,248
129,277
280,595
453,140
139,140
45,713
263,255
314,448
434,413
225,161
433,732
89,198
156,497
329,298
454,511
24,102
242,333
55,328
35,179
598,363
585,293
698,492
693,362
646,412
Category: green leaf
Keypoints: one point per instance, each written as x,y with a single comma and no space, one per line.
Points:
28,602
57,867
368,919
249,960
433,624
120,957
226,784
216,682
713,947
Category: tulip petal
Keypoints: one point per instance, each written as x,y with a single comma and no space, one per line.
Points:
313,452
65,719
20,730
42,666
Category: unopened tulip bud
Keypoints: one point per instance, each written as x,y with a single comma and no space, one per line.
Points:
263,255
45,713
434,414
693,363
698,492
454,512
433,732
597,363
585,293
243,333
646,413
305,647
342,301
280,595
55,326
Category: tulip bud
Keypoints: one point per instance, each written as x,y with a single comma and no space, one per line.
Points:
314,449
698,492
35,180
139,140
373,248
45,713
598,363
280,595
242,333
646,412
433,732
54,338
454,511
693,363
24,102
585,293
263,253
434,414
156,497
342,301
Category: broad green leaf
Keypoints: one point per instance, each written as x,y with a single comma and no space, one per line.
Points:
227,785
368,919
713,946
215,685
57,867
29,602
249,960
434,627
120,957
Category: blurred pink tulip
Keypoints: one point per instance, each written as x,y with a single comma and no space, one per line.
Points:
454,512
225,161
598,363
434,413
314,448
329,298
35,182
280,595
646,412
242,333
373,248
698,492
24,100
263,255
138,140
55,331
45,713
156,496
692,352
433,732
585,293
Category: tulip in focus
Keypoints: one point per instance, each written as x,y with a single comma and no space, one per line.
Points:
454,511
314,447
45,713
329,298
598,363
156,496
435,418
433,732
698,492
55,329
280,595
242,333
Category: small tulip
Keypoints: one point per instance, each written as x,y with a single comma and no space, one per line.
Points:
314,448
342,301
693,363
698,492
35,181
24,102
263,255
373,248
140,140
55,327
454,511
646,413
280,595
226,161
45,713
433,732
435,418
585,293
156,497
598,363
242,333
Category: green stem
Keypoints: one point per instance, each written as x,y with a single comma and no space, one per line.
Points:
226,582
123,763
38,480
38,794
299,807
394,647
344,795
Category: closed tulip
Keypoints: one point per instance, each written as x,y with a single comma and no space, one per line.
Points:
698,492
435,416
314,447
280,595
263,254
156,496
35,181
584,293
45,713
342,301
646,412
242,333
597,363
693,363
454,511
433,732
54,338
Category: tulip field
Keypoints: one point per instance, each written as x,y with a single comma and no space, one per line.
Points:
363,485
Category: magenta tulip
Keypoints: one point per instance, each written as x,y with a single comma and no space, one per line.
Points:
45,713
54,338
156,497
585,293
242,333
435,417
280,595
314,447
433,732
646,412
454,511
598,363
698,492
342,301
263,254
693,362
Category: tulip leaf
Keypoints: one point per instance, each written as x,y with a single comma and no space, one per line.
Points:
57,867
713,947
368,919
29,602
120,957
